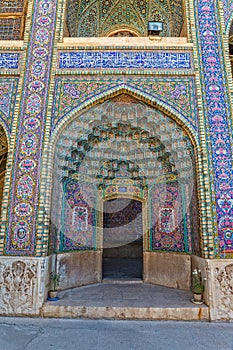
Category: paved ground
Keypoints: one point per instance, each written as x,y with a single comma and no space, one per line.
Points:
63,334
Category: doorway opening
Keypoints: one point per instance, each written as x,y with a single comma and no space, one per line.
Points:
122,239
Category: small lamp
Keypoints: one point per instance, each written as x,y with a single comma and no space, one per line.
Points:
154,28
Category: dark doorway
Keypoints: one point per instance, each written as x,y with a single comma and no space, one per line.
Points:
122,239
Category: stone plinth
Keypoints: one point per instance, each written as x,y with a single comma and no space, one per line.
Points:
79,268
167,269
220,288
22,285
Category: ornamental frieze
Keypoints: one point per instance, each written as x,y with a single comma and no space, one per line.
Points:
70,93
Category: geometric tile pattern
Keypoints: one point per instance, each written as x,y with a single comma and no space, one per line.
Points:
89,18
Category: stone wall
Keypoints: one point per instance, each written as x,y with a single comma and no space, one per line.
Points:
167,269
79,268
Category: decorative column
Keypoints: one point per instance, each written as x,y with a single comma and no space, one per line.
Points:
218,123
22,214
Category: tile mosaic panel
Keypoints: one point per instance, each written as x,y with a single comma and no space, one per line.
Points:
22,212
9,60
8,90
177,93
125,149
168,231
78,229
125,60
219,126
174,225
98,18
228,10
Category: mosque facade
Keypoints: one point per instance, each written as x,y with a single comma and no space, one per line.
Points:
116,143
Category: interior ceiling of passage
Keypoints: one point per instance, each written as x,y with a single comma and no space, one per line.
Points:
94,18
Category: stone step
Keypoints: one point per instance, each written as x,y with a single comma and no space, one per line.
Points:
201,313
126,301
122,281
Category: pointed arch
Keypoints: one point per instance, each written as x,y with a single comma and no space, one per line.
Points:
77,136
155,102
146,99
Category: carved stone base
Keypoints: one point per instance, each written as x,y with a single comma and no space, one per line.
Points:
22,285
220,273
219,286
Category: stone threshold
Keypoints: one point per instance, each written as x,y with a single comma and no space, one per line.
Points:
126,301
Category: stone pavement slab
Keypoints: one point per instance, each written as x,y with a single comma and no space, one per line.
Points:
64,334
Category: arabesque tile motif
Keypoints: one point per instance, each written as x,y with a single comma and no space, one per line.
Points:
8,90
174,93
24,192
218,122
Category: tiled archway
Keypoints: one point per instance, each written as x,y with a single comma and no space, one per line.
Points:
124,148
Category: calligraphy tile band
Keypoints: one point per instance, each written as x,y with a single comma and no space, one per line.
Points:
125,60
9,60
